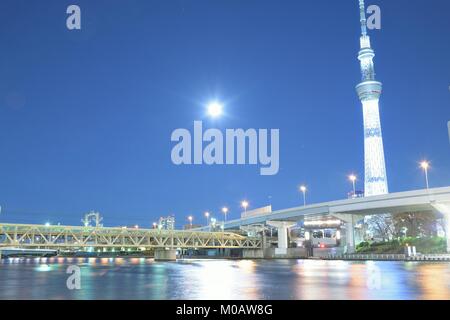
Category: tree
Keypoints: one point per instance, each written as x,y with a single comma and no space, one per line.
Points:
380,226
415,224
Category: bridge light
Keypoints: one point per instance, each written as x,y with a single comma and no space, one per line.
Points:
322,223
244,205
303,190
190,218
225,212
352,178
425,165
47,224
207,218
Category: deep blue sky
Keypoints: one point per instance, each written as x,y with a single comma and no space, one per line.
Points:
86,116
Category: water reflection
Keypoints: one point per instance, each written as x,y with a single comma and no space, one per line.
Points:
434,281
141,278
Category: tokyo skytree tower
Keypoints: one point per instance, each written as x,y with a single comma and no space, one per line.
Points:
369,91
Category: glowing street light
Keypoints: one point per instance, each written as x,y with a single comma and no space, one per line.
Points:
190,218
225,211
215,109
154,225
207,217
303,190
244,205
47,224
352,178
425,165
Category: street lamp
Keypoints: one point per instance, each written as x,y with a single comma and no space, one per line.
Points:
303,190
190,221
244,205
154,225
425,165
207,218
352,178
225,211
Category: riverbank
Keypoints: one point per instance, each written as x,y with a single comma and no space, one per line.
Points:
389,257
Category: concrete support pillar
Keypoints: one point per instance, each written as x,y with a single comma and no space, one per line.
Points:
282,227
165,255
253,254
350,236
444,209
349,231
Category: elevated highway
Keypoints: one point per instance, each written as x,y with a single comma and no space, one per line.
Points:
348,210
410,201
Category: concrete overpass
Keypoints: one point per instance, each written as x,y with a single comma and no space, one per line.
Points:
436,200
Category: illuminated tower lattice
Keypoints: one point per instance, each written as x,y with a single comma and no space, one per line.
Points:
369,91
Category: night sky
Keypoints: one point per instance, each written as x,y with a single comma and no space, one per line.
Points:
86,116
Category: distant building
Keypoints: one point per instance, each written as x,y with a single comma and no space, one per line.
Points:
166,223
356,194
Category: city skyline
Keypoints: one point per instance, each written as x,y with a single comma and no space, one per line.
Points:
103,144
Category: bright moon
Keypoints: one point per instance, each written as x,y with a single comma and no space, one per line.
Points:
214,109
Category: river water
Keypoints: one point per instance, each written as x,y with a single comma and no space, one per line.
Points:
141,278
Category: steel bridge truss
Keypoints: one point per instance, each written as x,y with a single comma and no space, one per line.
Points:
74,237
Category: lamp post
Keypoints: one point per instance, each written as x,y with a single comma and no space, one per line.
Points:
207,218
225,212
244,205
425,165
303,190
190,221
352,178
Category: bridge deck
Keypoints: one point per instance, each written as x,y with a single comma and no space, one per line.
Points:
79,237
407,201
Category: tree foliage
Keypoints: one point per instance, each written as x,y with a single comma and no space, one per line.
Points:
415,224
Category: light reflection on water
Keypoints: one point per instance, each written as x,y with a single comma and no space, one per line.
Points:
140,278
